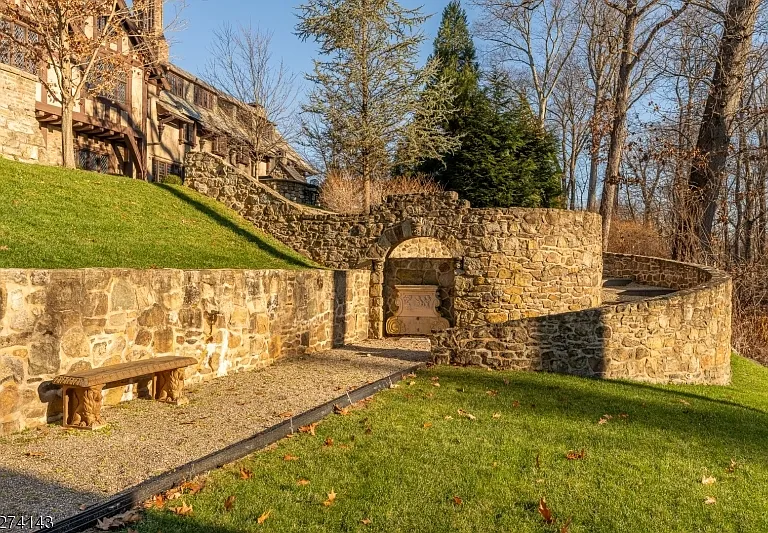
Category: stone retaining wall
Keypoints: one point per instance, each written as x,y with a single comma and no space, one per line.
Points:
20,136
55,321
508,263
683,337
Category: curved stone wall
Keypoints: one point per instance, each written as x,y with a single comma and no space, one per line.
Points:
683,337
56,321
508,263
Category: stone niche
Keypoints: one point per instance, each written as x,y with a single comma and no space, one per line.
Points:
58,321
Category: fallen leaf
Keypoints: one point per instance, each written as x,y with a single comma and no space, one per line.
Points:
538,460
331,499
289,457
173,494
602,421
411,375
129,517
35,454
435,378
436,384
684,402
309,429
340,410
710,500
192,487
567,526
263,517
732,467
83,507
337,388
411,383
4,248
496,415
184,510
495,464
366,521
448,417
105,524
492,392
245,473
229,502
544,511
623,415
286,414
708,480
539,481
465,414
457,501
515,404
328,442
427,424
302,482
574,455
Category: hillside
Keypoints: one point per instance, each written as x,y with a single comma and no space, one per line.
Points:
56,218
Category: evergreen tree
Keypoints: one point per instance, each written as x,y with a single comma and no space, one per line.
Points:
506,158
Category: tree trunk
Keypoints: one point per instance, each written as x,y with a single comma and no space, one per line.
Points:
67,135
594,168
619,127
706,175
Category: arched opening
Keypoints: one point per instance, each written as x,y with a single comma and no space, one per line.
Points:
418,289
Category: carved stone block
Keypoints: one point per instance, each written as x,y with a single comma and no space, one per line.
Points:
416,311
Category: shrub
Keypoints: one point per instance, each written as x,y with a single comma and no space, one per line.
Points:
171,179
343,192
635,238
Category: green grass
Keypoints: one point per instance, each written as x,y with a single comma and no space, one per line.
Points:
642,473
57,218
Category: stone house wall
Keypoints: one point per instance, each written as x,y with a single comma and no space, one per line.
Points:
508,263
56,321
20,136
420,247
683,337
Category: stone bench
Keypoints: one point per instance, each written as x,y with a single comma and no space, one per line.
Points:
81,391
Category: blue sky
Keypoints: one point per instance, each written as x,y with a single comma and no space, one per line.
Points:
190,47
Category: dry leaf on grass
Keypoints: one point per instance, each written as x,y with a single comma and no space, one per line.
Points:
516,404
708,480
436,384
263,518
567,526
302,482
457,501
411,383
710,500
576,455
183,510
684,402
339,410
331,499
496,415
229,502
309,429
192,487
435,378
245,473
427,424
544,511
289,457
492,392
328,442
448,417
732,467
120,520
465,414
604,419
366,521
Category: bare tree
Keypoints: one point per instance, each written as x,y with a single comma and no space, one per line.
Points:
641,23
242,65
706,176
541,37
70,43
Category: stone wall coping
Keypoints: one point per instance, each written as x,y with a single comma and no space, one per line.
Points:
10,273
18,72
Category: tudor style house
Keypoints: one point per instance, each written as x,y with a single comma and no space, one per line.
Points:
144,126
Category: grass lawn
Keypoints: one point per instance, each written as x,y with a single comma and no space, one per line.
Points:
57,218
401,460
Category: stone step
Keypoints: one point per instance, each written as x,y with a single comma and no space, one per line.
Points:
616,282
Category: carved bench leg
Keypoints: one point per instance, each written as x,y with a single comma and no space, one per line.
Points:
82,407
169,387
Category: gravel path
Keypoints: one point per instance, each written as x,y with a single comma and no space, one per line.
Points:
51,471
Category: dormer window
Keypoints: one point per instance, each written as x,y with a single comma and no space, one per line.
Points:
203,98
178,86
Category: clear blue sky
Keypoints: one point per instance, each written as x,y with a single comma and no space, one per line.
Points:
190,47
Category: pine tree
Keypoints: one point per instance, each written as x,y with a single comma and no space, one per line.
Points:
370,95
506,158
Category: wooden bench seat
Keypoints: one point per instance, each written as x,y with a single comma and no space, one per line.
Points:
81,391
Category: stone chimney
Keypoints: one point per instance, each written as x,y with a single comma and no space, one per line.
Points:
152,21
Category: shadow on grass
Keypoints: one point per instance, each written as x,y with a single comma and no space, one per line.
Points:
248,235
691,416
165,521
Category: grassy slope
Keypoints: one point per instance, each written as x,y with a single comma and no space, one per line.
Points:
641,473
56,218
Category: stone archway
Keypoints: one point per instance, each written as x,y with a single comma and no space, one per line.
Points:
419,270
